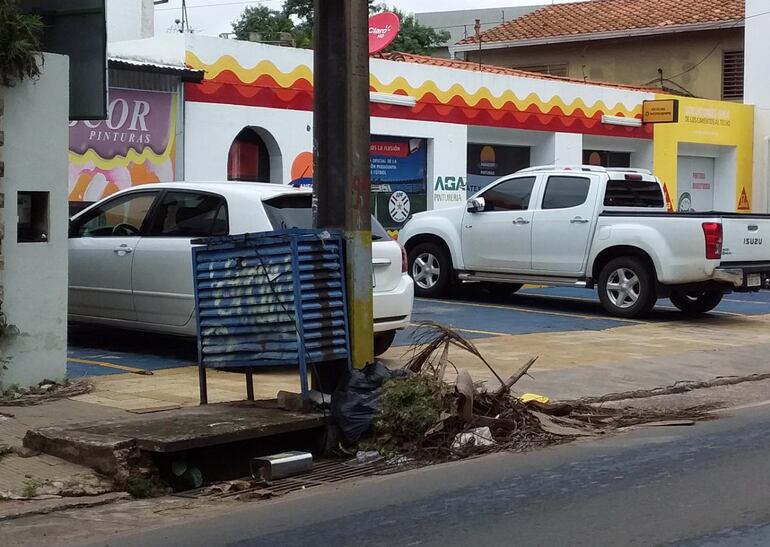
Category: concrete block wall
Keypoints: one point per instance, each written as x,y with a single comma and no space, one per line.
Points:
34,277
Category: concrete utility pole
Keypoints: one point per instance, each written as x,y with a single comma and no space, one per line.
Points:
341,151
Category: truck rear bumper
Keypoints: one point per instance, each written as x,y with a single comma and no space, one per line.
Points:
747,277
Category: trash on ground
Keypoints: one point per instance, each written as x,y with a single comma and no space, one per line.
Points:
527,397
45,391
279,466
356,402
480,436
421,416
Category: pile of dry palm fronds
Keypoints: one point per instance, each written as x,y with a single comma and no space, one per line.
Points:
477,419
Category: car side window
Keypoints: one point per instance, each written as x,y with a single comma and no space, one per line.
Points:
509,195
120,217
564,192
190,214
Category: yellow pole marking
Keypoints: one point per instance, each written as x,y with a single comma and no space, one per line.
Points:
110,365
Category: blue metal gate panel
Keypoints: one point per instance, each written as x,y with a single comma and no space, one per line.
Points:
273,298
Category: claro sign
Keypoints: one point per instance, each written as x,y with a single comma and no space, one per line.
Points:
383,28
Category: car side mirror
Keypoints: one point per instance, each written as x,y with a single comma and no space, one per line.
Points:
476,205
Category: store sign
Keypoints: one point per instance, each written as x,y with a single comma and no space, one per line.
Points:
134,145
660,111
383,28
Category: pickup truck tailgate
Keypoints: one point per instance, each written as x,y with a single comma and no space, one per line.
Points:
745,238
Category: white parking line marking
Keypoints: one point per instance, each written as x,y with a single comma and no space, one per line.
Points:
472,331
528,310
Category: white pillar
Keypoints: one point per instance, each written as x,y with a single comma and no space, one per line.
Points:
756,91
559,149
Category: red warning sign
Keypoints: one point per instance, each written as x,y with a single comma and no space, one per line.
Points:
743,202
669,207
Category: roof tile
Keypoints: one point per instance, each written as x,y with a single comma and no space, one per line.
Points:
468,65
596,16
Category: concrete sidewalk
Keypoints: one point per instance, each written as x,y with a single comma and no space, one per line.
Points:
571,364
641,356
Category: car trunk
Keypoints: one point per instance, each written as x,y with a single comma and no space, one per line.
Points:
293,210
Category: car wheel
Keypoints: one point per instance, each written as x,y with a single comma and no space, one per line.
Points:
627,287
696,301
383,341
501,290
430,269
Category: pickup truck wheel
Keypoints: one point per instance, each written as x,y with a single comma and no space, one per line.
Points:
501,289
383,341
696,301
627,287
431,269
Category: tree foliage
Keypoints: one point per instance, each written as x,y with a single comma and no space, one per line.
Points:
296,18
414,37
20,35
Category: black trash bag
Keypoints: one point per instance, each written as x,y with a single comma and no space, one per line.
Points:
356,401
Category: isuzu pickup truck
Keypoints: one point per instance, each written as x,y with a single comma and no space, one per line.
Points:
591,227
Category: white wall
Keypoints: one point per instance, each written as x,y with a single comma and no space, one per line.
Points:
35,276
210,130
130,19
756,90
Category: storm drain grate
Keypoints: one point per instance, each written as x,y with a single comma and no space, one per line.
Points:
324,472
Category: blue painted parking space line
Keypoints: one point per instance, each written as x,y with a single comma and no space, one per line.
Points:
734,303
479,320
78,370
84,361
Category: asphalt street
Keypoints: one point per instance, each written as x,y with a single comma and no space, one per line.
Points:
706,485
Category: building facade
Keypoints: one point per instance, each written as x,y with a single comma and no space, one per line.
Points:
688,47
440,129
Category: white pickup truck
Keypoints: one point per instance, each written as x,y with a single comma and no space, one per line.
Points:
587,226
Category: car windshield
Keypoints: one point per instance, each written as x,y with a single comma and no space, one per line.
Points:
296,211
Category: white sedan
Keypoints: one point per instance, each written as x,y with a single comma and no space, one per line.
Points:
130,263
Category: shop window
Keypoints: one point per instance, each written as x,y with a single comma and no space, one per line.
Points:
32,211
732,75
249,158
605,158
398,168
489,162
554,69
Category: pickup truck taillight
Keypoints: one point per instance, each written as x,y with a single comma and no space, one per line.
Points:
712,232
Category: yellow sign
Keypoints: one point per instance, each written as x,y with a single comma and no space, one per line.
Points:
743,202
722,128
660,111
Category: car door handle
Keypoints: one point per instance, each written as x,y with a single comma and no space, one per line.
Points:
521,221
123,250
579,220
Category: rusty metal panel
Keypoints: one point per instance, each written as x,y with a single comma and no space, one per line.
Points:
275,298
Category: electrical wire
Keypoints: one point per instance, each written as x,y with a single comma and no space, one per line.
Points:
260,2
